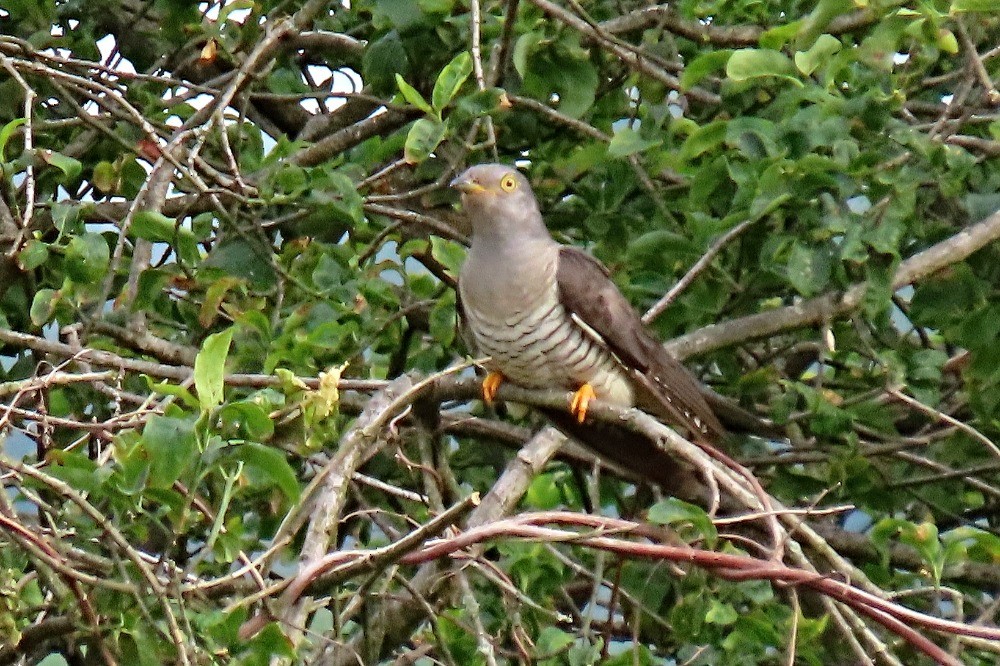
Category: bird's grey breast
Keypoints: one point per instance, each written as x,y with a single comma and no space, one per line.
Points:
513,310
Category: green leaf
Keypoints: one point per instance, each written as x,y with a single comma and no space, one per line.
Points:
482,102
171,444
628,141
270,642
703,139
383,61
175,390
675,512
543,493
138,649
76,469
926,364
271,463
442,320
979,327
636,655
436,6
70,167
152,288
342,193
746,64
559,73
776,37
524,45
105,177
720,613
286,82
819,54
291,180
808,269
87,258
243,258
422,139
450,80
404,15
923,537
412,95
154,226
660,245
7,131
132,473
886,236
65,216
946,296
215,295
947,41
332,336
821,15
990,6
703,65
551,640
448,252
328,274
755,137
210,369
133,177
249,418
43,306
32,255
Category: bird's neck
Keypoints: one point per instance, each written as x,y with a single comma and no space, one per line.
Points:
508,254
498,225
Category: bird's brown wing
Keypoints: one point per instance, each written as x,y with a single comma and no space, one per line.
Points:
589,295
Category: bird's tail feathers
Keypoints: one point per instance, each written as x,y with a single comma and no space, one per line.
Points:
631,451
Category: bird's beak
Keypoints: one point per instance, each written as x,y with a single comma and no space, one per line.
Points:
466,185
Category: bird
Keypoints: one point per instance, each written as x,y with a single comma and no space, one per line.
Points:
548,315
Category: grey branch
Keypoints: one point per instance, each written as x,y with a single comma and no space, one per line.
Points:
949,251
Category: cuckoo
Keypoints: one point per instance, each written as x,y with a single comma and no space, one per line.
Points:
549,316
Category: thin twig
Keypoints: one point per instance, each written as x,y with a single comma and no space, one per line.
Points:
951,420
695,270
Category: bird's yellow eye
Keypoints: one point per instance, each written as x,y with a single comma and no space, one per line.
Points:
508,183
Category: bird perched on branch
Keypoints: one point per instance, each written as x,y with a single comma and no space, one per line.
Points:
549,316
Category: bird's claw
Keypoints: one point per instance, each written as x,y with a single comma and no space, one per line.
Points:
581,400
491,385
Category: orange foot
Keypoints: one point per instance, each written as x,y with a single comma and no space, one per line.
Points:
581,400
491,385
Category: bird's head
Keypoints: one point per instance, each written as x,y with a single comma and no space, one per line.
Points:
498,200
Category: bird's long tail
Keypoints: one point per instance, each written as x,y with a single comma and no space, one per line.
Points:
636,454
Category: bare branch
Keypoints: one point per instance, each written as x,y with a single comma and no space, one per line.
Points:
823,308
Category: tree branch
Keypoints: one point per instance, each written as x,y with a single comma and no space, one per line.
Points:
822,308
666,17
